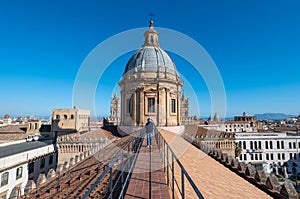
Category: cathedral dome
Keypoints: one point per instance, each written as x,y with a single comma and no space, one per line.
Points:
151,58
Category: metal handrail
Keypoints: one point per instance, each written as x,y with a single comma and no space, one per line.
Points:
124,186
129,163
164,147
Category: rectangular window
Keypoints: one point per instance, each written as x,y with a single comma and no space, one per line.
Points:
173,105
282,144
42,163
50,159
151,105
129,106
290,145
294,145
272,157
278,145
291,156
19,173
245,156
283,156
267,156
271,145
278,156
31,167
4,179
267,146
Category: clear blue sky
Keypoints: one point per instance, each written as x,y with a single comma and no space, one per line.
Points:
255,44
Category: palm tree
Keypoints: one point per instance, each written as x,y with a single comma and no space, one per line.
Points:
238,149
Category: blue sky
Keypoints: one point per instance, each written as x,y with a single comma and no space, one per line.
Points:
255,45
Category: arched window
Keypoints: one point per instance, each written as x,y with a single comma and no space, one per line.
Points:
72,116
57,117
65,117
30,126
35,125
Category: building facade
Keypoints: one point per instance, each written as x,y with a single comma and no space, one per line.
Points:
70,120
270,150
17,168
230,126
150,86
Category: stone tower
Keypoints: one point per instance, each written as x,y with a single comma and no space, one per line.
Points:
115,109
150,86
184,107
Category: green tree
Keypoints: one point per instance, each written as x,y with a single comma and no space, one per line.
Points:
238,149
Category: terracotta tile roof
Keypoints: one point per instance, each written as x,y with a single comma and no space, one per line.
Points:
18,129
212,178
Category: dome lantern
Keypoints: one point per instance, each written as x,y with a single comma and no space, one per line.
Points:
151,36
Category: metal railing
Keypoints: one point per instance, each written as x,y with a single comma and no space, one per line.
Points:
127,158
169,160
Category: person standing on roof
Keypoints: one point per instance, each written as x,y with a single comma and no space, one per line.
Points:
149,130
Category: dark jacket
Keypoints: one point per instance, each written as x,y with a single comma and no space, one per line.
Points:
149,127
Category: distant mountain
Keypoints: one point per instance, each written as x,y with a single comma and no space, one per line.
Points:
273,116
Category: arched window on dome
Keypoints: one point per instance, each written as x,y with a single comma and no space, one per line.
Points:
57,117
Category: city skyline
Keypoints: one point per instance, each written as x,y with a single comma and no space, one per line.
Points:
254,45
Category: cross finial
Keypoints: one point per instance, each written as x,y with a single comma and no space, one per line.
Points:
151,21
151,15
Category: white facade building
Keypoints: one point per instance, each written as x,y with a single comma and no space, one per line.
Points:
270,150
230,126
17,168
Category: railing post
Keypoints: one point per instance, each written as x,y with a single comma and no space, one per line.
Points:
182,183
110,181
164,155
168,180
173,188
122,178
